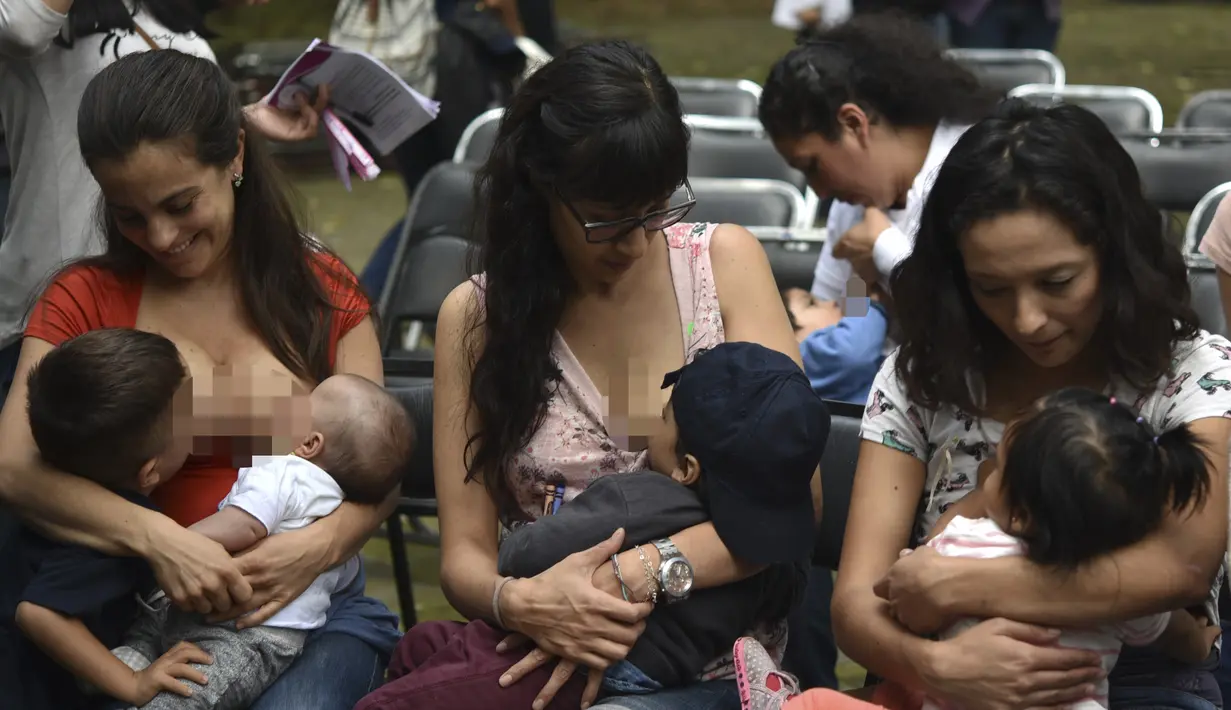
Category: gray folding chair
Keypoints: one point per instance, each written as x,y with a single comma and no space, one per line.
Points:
1006,69
478,138
1208,109
738,98
1125,109
738,148
1206,297
749,202
1202,216
791,261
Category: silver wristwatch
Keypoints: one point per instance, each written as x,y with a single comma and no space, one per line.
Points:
674,571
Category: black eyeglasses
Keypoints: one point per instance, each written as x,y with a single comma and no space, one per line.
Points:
602,232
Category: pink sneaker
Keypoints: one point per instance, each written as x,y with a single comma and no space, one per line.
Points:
761,685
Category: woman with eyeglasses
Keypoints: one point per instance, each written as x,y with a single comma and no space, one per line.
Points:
549,364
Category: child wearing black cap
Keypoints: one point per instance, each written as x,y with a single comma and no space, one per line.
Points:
743,435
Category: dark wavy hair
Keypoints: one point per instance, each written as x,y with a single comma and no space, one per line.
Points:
887,64
167,95
601,122
1087,476
91,17
1063,161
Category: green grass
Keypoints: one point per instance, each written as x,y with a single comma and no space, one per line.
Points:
1172,49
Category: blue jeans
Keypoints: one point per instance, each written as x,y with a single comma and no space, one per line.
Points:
1007,24
626,679
334,672
713,695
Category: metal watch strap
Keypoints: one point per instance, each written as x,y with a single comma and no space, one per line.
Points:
668,551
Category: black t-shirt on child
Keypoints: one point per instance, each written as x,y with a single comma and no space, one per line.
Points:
75,581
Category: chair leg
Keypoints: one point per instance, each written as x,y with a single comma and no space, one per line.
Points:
401,569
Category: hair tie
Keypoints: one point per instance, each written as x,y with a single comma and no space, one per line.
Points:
1140,419
1113,400
1156,441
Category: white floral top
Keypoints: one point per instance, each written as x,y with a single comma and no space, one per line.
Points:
573,447
953,443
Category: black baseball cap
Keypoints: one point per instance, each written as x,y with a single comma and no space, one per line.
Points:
749,416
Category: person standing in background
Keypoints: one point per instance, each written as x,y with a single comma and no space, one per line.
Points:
929,12
1004,24
49,51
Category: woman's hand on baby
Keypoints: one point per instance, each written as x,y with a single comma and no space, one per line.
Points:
910,587
569,619
196,572
279,569
1006,665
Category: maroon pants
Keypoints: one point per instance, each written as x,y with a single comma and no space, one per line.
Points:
455,666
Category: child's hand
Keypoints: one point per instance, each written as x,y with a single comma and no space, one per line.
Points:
165,673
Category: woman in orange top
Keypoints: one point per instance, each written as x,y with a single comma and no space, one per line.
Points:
203,248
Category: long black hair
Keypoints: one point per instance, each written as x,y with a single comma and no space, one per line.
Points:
1063,161
1086,475
281,273
600,122
91,17
887,64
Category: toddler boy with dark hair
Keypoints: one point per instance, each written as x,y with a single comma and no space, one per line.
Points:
357,428
102,404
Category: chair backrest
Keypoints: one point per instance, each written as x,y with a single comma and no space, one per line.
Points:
1208,109
748,202
793,262
1206,298
420,280
718,97
837,478
1176,177
1203,216
737,149
478,138
444,199
1125,109
1003,70
417,478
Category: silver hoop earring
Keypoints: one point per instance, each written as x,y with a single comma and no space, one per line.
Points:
237,180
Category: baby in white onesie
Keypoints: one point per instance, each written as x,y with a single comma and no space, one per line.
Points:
1079,477
360,440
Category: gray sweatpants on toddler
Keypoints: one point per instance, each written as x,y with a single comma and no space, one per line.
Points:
245,663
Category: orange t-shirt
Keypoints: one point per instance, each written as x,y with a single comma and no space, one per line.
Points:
87,298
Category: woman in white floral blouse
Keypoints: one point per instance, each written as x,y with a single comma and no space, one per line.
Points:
1038,264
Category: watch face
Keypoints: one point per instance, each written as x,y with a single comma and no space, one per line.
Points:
677,577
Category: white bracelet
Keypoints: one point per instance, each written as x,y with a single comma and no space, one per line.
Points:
496,600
